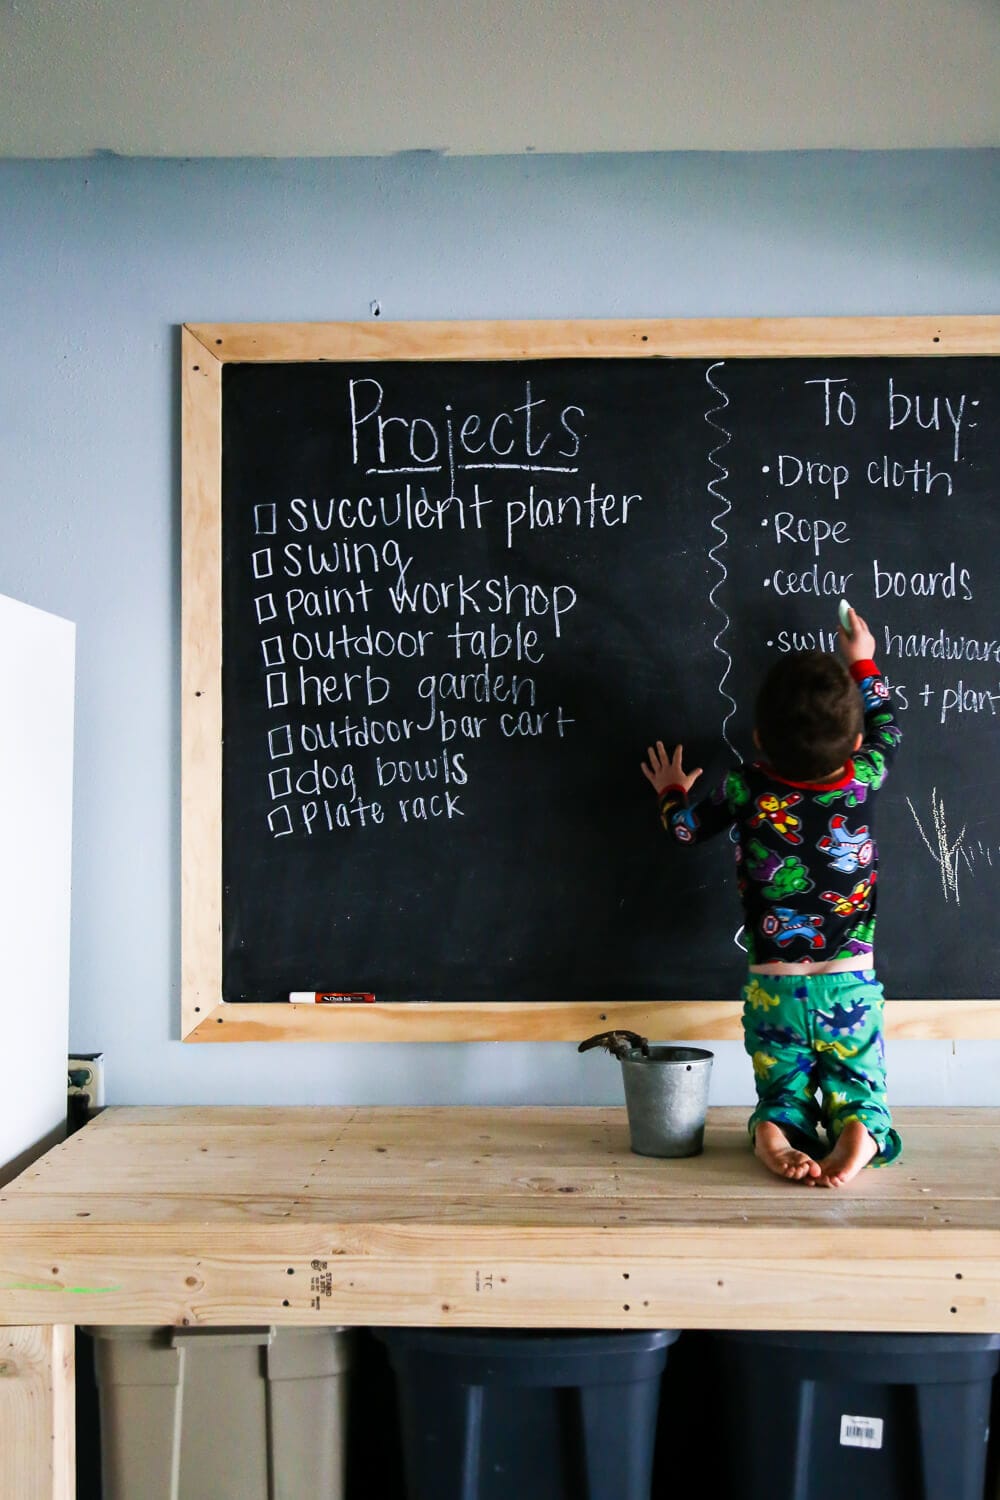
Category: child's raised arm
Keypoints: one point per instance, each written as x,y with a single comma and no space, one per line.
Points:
882,733
668,778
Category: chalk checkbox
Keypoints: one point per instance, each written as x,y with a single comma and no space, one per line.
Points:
262,565
277,689
266,608
279,742
274,651
280,782
265,519
279,820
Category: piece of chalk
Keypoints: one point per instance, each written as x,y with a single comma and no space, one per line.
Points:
844,615
331,997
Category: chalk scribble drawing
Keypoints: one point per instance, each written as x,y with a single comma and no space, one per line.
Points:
945,851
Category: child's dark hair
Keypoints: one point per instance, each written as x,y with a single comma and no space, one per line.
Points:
808,715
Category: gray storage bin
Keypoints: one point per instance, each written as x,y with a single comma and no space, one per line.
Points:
222,1414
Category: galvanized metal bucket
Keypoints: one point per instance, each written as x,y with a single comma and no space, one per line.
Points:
666,1098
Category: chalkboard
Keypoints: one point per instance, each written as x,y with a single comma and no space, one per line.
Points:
459,596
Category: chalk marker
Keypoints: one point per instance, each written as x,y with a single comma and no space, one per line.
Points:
844,615
331,997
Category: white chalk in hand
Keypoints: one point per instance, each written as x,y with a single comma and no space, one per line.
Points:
844,615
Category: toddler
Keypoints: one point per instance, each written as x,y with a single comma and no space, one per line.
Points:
807,868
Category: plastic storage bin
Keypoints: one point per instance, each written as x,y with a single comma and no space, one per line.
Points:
527,1416
222,1414
821,1416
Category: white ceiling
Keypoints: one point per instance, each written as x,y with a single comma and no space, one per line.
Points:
363,77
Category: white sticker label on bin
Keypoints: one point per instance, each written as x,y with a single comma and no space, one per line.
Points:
860,1432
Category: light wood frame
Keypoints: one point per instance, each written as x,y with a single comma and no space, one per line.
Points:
206,347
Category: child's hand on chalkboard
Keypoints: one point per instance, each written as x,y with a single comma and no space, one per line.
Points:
857,642
662,770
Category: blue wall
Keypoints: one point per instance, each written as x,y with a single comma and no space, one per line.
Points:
101,260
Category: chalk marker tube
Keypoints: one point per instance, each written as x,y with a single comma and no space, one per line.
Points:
331,997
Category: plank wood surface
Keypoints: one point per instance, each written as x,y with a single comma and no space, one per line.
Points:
560,1021
37,1425
578,338
534,1217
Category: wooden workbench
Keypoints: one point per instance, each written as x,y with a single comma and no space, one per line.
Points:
460,1216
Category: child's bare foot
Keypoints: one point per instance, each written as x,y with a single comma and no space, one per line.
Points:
853,1151
772,1146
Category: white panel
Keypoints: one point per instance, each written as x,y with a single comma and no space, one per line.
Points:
36,783
495,77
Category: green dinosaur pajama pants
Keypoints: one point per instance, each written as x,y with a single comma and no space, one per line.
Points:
819,1034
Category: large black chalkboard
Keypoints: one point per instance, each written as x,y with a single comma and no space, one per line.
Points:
460,598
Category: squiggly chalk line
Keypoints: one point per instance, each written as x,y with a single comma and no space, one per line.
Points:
718,495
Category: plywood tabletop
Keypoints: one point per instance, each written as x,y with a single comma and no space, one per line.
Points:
492,1216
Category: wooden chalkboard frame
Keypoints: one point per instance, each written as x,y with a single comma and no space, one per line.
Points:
206,347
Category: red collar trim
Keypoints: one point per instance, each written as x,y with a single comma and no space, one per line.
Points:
813,786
